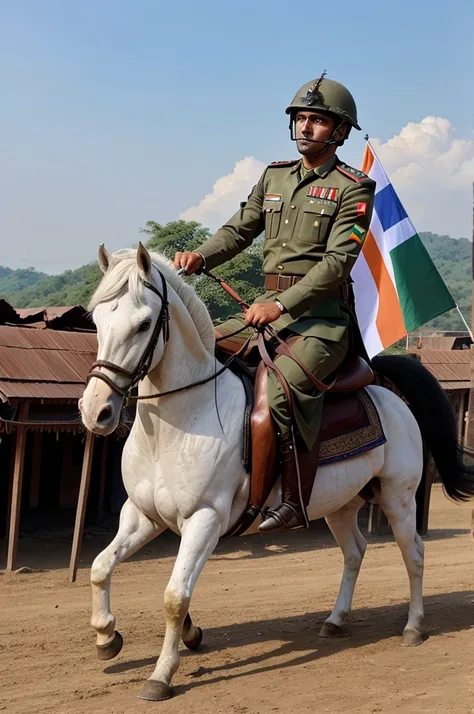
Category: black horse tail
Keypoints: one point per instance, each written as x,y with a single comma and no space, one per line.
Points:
436,419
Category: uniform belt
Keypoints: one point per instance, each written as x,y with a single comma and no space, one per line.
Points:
280,282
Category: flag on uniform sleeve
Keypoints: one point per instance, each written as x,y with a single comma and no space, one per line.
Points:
396,284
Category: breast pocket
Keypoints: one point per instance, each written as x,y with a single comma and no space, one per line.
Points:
316,222
272,211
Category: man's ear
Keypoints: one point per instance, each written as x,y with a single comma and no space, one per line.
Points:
342,132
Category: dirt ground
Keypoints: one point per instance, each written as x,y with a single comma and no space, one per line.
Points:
260,603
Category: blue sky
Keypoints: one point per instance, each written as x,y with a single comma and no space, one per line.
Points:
115,113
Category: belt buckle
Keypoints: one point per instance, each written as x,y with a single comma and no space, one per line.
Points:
278,284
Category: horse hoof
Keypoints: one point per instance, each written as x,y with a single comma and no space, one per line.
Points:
330,630
192,643
412,638
112,648
154,691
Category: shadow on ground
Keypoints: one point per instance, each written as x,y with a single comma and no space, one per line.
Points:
298,639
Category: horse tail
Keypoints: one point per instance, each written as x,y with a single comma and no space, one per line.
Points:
436,419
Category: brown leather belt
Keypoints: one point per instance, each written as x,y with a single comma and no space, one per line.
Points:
280,282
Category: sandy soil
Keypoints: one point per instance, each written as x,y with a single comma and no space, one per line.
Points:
260,604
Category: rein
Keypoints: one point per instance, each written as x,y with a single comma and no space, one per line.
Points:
162,326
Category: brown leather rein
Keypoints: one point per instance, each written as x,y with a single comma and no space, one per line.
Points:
162,325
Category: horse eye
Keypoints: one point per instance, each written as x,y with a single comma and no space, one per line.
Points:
144,326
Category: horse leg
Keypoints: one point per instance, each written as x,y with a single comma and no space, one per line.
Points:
345,529
200,534
135,529
400,508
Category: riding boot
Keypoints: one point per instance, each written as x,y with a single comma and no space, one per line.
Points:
291,514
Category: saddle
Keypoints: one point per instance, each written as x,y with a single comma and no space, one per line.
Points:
350,424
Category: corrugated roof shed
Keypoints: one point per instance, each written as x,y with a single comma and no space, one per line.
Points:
452,368
70,317
44,364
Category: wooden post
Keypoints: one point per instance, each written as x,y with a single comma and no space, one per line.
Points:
103,476
378,523
17,488
423,495
81,506
470,416
36,469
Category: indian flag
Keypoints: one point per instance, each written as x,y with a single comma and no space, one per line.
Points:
397,287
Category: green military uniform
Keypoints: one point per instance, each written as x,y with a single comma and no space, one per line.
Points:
315,222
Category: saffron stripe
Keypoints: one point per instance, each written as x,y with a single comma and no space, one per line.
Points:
368,159
389,321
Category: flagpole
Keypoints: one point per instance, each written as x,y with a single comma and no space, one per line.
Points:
465,323
367,139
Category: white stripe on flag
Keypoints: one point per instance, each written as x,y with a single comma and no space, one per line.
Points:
379,235
367,305
399,233
378,175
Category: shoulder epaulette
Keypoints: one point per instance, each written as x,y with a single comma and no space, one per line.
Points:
279,164
351,173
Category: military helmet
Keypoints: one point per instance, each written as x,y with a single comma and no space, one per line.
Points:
327,96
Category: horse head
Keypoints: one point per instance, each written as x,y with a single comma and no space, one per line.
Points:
130,311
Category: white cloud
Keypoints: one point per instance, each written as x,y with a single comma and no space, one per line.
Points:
432,171
227,193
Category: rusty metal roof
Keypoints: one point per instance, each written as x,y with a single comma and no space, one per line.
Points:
69,317
39,390
44,364
452,368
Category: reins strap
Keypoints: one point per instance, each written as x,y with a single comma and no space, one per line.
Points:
226,366
230,291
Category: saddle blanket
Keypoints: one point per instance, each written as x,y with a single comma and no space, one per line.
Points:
351,425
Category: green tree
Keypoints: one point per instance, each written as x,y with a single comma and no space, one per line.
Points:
175,236
243,273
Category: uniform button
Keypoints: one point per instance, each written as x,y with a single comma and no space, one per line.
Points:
292,206
280,267
283,245
286,220
316,224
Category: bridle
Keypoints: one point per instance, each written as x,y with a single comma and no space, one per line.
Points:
162,324
143,367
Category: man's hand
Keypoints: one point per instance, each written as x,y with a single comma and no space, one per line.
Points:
262,313
191,262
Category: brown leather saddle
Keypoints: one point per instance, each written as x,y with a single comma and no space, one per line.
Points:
343,413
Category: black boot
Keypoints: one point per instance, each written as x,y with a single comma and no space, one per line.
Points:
290,514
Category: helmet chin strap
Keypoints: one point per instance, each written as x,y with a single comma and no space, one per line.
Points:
327,143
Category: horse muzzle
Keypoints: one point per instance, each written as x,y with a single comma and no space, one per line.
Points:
100,408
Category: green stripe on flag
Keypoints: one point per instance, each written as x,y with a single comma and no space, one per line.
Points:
421,290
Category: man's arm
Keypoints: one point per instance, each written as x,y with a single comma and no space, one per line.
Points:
343,247
238,233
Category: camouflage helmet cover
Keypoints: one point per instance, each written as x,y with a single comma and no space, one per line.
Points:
326,95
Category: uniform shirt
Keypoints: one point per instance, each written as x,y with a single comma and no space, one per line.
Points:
314,228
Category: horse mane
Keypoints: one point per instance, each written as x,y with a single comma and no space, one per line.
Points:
124,277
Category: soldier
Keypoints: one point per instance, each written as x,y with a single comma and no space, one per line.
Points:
315,212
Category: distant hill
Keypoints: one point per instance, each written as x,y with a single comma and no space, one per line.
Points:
29,288
453,258
13,281
73,287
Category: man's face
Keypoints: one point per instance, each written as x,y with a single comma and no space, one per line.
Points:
312,125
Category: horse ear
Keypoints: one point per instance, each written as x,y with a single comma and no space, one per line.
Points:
144,261
106,259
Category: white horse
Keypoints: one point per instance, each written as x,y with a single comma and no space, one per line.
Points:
182,465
